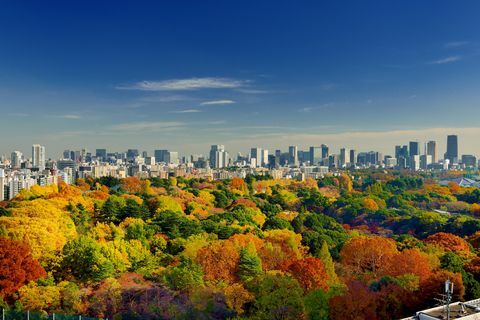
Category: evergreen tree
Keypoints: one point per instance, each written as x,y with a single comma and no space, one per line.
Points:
327,260
250,264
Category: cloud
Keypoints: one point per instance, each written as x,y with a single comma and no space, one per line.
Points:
186,111
456,44
216,102
321,107
447,60
148,126
69,116
252,91
172,98
19,114
185,84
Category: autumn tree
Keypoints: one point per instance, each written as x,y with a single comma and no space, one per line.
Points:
250,265
132,185
309,272
368,254
449,242
17,266
219,261
357,303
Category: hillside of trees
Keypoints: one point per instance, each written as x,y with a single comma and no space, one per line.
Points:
369,246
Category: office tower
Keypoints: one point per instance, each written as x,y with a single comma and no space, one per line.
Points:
469,161
324,151
2,185
425,161
353,155
401,154
101,154
161,155
452,149
293,155
172,157
256,157
414,148
315,156
132,154
215,157
415,162
144,154
67,154
264,158
38,157
431,150
16,159
344,157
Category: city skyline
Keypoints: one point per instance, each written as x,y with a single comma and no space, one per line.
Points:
367,75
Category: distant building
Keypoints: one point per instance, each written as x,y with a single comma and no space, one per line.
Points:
2,185
452,149
469,161
161,155
38,157
344,157
414,149
101,154
315,156
218,156
293,155
431,150
16,159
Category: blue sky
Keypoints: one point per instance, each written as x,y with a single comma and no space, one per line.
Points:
187,74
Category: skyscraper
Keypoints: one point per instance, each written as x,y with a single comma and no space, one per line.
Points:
431,150
452,149
315,155
172,157
218,156
344,157
161,155
256,153
2,185
414,148
38,157
324,151
16,159
293,155
101,154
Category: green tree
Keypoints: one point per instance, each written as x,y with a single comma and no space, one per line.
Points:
84,260
250,264
327,260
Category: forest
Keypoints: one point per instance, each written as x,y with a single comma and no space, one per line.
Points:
358,245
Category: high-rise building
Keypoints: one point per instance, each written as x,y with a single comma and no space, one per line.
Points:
315,156
431,150
256,153
16,159
2,185
469,161
264,158
38,157
218,155
353,155
172,157
414,148
425,161
324,151
101,154
161,155
344,157
452,149
132,154
293,155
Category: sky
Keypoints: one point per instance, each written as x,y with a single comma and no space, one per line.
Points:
182,75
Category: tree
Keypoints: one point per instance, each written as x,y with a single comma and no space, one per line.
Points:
84,260
131,185
449,242
410,261
278,297
250,264
17,266
328,264
112,209
219,261
368,254
357,303
309,272
184,277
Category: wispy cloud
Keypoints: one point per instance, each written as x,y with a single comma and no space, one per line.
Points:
147,126
456,44
252,91
19,114
186,111
321,107
69,116
216,102
172,98
447,60
186,84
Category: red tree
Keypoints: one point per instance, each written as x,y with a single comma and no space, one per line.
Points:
17,266
309,272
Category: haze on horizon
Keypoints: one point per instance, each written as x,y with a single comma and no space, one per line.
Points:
149,75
